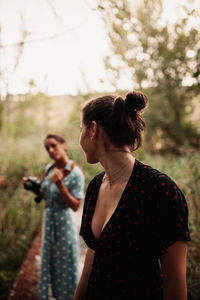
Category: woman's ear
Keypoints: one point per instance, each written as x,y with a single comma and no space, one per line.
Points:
94,130
64,146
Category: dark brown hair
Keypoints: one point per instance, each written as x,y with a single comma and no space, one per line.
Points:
55,137
120,118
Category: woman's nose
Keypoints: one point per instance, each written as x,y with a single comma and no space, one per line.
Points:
50,150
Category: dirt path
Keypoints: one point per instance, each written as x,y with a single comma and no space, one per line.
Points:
26,284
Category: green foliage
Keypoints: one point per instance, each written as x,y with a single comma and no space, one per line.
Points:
159,56
1,113
27,114
165,131
20,217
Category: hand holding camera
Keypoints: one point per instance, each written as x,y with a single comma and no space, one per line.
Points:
33,184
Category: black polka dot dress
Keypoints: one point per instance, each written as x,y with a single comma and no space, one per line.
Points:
151,215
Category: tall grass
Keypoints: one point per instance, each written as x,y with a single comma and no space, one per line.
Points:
20,216
186,172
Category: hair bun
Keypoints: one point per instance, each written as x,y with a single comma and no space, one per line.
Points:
118,106
136,101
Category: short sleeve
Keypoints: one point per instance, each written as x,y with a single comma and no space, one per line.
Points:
77,184
169,218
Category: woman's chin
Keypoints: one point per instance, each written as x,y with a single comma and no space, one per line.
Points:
54,157
91,160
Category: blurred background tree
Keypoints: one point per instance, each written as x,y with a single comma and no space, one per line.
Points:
162,59
6,74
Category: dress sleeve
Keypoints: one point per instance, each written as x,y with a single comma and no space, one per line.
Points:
169,220
77,185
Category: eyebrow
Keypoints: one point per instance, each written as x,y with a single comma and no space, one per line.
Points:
52,144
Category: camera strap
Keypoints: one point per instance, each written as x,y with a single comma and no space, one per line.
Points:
65,172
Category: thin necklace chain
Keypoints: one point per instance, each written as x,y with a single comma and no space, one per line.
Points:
117,175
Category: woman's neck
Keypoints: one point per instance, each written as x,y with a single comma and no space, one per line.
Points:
117,165
61,163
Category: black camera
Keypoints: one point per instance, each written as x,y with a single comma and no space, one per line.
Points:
32,184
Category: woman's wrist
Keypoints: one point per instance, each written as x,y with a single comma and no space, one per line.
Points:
60,184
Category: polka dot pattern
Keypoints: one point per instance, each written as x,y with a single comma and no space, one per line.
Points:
151,215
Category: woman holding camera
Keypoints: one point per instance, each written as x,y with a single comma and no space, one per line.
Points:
62,188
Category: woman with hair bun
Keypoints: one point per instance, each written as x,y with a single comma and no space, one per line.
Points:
135,218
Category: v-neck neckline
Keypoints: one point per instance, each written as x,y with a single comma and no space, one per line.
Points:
116,208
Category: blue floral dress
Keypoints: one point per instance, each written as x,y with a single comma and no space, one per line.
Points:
59,265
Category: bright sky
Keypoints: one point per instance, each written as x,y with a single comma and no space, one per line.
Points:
67,64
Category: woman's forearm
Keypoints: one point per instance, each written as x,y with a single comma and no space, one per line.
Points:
173,265
175,289
70,200
83,282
